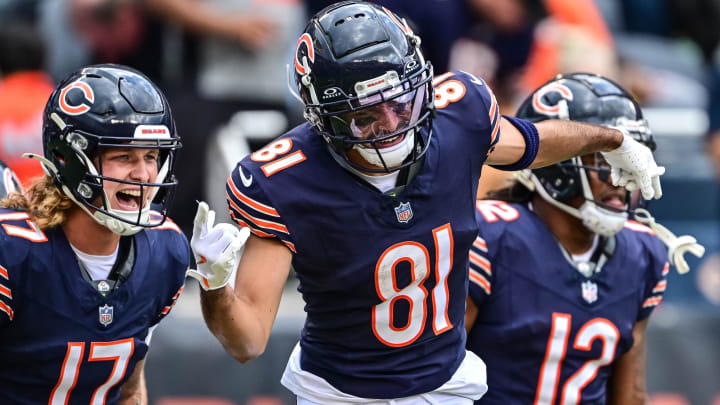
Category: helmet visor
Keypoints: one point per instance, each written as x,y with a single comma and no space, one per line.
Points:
380,121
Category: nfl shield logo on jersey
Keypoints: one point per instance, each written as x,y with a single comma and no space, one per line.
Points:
589,292
106,314
404,212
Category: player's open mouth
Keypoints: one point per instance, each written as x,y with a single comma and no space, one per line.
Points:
390,141
128,200
614,201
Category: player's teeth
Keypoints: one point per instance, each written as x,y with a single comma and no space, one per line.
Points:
134,193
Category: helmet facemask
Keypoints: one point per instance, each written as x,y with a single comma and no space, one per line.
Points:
382,127
74,168
602,214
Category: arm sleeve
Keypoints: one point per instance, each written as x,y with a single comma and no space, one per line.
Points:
532,144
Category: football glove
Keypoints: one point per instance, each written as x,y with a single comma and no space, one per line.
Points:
216,249
677,246
633,167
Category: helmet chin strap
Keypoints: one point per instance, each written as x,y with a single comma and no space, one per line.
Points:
393,156
113,224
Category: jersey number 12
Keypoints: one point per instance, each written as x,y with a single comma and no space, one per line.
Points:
598,328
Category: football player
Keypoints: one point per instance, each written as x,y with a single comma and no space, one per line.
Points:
372,202
86,269
9,182
561,282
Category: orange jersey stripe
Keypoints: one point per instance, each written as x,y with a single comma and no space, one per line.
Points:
480,280
651,302
5,291
4,273
5,308
262,234
481,262
259,222
480,244
257,206
660,287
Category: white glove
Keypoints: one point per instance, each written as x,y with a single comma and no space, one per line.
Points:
677,246
216,249
633,166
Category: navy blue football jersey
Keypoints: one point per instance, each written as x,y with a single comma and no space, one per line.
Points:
546,332
383,276
63,342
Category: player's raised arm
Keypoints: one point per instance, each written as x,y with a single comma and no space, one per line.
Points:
240,318
524,144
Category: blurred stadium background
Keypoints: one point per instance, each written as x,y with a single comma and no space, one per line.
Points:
222,65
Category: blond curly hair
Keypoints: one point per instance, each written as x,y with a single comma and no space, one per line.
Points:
46,205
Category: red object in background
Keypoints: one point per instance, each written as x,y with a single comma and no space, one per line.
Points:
22,99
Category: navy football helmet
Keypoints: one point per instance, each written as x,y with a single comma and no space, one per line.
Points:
354,61
100,107
590,98
9,182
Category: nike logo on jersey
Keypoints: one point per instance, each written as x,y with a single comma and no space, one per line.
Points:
246,181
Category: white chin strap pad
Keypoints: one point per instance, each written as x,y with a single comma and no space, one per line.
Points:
393,156
600,220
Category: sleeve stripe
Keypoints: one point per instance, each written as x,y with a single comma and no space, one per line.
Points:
257,206
494,114
481,262
638,227
262,234
254,230
480,244
14,216
666,269
4,273
5,308
5,291
493,108
480,280
259,222
660,287
495,131
651,302
177,294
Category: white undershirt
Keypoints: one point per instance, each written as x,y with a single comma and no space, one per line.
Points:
98,267
585,257
384,182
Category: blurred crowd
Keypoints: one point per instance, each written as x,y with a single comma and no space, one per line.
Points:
215,58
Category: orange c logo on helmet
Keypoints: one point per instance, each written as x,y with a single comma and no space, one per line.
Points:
80,108
304,39
551,110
